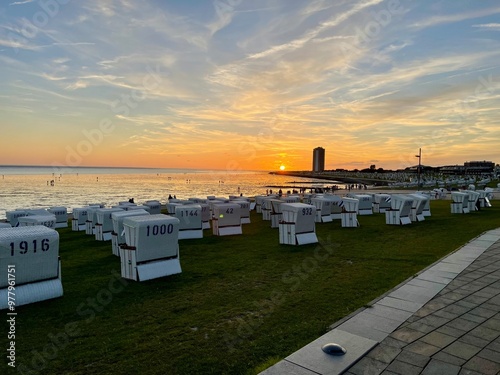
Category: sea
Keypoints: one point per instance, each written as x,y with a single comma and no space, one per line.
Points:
44,187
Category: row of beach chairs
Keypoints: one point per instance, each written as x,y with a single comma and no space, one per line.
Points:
147,241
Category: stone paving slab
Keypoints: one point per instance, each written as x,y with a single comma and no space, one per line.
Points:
427,284
437,276
370,325
413,293
313,358
388,312
446,320
400,304
285,367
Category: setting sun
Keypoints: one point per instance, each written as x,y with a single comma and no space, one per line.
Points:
282,167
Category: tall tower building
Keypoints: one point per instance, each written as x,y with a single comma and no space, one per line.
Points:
318,159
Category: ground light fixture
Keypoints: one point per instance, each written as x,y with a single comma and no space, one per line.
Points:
333,349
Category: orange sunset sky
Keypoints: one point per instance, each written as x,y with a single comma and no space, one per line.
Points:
249,84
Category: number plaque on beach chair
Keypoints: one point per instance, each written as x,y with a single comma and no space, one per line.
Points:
152,247
33,252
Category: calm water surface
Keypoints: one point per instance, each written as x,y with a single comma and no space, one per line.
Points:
30,187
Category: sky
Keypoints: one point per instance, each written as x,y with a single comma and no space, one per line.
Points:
249,84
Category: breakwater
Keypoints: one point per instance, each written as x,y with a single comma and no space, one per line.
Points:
334,177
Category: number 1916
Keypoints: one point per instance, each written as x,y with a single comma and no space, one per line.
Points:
24,246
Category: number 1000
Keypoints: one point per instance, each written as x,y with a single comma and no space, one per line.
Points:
159,229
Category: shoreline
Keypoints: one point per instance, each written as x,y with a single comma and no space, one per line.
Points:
348,180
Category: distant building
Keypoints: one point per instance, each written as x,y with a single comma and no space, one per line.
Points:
423,169
318,159
469,168
456,170
479,167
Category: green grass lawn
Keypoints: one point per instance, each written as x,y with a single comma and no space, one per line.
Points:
240,304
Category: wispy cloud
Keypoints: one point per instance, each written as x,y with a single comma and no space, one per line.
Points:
22,2
450,18
80,84
489,26
311,34
17,43
52,78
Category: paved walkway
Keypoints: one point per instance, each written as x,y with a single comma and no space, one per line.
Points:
445,321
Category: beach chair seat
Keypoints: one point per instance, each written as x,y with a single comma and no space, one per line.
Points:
417,210
335,206
154,207
245,210
190,219
91,220
381,203
79,219
104,223
152,248
323,209
266,208
276,214
13,217
473,200
365,206
348,217
118,233
48,221
400,211
460,202
298,225
226,219
61,214
33,252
